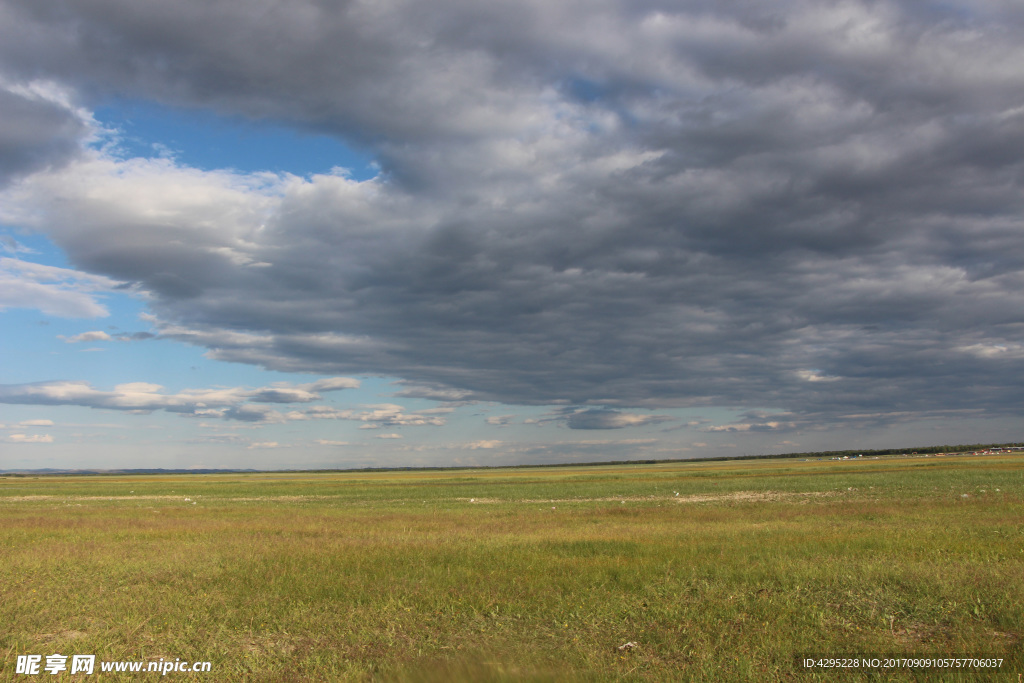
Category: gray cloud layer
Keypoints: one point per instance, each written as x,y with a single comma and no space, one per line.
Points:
35,134
813,207
234,403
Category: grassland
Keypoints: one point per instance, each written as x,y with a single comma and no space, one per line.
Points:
717,571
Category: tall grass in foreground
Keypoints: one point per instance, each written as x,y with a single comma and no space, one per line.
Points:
521,574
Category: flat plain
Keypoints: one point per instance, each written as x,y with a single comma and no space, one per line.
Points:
711,570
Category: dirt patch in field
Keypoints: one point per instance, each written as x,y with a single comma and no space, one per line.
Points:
270,645
61,636
751,496
742,496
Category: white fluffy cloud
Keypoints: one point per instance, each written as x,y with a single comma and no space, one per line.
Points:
30,438
752,427
610,419
95,335
56,291
486,444
376,416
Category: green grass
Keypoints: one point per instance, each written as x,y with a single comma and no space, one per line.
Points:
525,574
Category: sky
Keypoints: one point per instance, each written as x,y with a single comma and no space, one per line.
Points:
308,234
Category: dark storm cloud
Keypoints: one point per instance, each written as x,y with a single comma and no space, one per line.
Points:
36,133
810,207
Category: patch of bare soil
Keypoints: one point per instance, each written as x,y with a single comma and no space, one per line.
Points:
61,636
751,496
696,498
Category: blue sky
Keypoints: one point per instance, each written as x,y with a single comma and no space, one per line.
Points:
346,238
208,141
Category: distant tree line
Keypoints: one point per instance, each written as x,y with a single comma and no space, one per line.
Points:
961,448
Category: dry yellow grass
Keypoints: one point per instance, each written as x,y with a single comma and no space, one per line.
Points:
531,574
